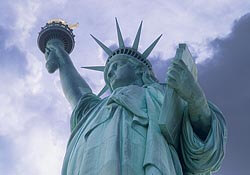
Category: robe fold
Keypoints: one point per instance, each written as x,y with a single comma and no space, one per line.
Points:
120,135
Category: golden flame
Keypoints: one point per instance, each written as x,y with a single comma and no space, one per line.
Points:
73,26
57,20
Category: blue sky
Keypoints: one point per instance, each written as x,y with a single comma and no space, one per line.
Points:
34,117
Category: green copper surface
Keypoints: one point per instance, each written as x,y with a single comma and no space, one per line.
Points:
130,131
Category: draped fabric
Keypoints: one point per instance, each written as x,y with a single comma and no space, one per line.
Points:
205,156
120,135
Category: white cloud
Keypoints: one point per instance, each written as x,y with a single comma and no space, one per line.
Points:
41,149
34,112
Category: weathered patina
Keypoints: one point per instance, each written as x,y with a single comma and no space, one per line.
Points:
128,132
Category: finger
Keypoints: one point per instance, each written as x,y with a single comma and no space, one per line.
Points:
176,67
172,83
173,69
51,46
173,73
47,52
170,76
180,63
47,49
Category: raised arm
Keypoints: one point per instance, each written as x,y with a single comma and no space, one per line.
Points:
73,85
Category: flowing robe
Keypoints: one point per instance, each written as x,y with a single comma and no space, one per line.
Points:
120,135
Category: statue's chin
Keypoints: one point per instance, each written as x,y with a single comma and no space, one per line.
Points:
51,66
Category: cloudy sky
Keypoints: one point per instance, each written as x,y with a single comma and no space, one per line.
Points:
34,117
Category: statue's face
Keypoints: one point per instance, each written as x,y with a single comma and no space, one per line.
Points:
122,72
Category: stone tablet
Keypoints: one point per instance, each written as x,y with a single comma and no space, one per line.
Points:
173,106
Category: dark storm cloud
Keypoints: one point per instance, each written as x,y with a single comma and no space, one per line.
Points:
12,60
160,67
225,80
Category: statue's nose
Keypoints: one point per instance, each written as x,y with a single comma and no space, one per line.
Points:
112,70
110,74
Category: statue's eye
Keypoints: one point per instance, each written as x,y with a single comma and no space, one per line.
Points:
114,65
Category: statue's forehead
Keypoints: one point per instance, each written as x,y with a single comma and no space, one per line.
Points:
119,58
119,61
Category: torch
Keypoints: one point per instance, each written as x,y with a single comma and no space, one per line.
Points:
56,30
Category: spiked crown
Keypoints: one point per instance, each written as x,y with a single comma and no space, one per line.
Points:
122,50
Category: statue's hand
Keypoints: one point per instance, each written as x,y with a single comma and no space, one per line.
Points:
54,53
182,80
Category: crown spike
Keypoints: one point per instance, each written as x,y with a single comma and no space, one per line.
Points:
137,38
105,48
104,89
96,68
119,34
150,48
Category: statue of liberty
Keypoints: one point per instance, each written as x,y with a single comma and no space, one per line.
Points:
125,133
